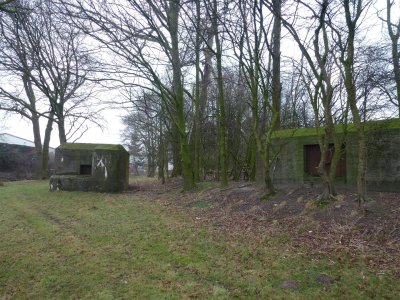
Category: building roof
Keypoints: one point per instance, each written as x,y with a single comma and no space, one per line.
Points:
6,138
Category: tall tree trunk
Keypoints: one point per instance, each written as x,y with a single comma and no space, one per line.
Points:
61,129
46,145
38,146
237,162
276,64
221,102
176,149
350,86
205,82
35,125
197,120
394,37
328,176
206,79
252,159
187,170
396,69
256,141
275,94
161,150
321,94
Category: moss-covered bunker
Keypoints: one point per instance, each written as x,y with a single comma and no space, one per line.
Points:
383,166
90,167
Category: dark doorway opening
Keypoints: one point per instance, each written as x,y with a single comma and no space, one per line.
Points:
312,156
85,170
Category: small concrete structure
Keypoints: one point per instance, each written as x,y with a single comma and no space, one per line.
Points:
298,153
90,167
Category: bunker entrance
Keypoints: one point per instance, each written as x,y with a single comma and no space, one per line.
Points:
85,170
312,156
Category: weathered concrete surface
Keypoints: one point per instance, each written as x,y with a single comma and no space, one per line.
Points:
383,166
90,167
383,170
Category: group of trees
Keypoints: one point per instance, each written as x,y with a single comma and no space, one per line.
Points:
46,73
241,83
209,81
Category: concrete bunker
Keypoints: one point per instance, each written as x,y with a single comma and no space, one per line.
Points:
298,154
90,167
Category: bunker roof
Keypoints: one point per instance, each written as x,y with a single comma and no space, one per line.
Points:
92,147
340,128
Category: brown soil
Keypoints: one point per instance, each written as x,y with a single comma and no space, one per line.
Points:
370,231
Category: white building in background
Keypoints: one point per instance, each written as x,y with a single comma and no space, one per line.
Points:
18,158
6,138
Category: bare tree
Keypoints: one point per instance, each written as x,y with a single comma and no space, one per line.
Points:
145,37
45,57
259,59
215,16
197,97
394,34
63,70
248,38
143,129
375,84
353,11
17,63
6,6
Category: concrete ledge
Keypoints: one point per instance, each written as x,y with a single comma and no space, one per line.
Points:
386,186
84,183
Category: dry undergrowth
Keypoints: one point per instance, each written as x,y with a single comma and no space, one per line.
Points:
370,232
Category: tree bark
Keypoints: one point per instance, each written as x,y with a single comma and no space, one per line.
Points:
394,37
176,148
187,170
197,120
350,86
35,125
61,130
46,145
161,153
276,64
221,102
321,93
275,93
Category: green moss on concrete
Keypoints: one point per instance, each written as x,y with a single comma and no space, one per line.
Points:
92,147
339,128
383,124
71,176
109,167
383,138
84,183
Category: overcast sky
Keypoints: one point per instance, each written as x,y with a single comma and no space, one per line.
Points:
113,127
111,134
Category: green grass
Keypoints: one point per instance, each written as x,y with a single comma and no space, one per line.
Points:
103,246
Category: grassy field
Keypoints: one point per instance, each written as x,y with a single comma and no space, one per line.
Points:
127,246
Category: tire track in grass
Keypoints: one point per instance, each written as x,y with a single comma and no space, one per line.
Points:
53,254
93,247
